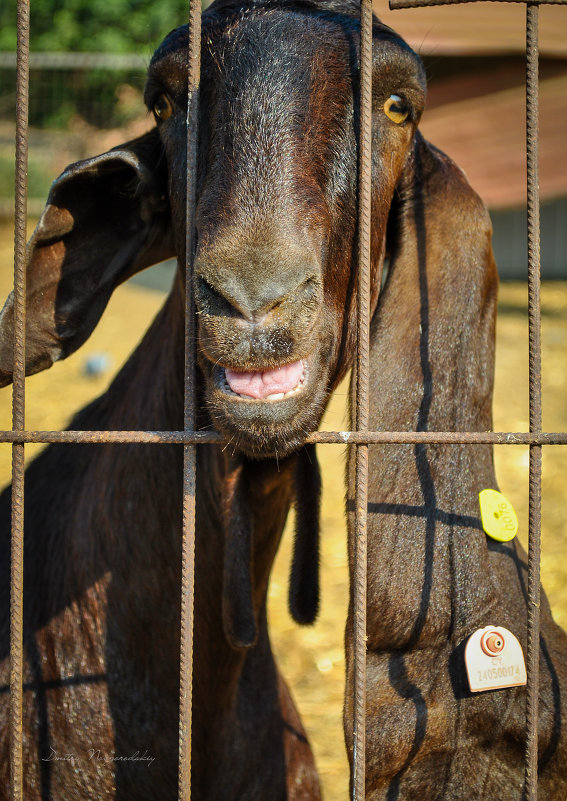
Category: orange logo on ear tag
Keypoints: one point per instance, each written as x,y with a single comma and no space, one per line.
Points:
494,659
498,516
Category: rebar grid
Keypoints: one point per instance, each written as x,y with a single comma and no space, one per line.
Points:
189,438
18,405
189,449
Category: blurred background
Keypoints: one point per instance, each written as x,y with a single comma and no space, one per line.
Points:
88,62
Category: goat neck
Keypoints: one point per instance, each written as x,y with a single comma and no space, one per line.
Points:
433,576
105,638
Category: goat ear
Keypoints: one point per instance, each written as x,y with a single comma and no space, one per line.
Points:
432,363
106,218
433,331
304,576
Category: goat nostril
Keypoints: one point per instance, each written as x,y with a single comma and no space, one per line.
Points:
253,304
210,301
309,287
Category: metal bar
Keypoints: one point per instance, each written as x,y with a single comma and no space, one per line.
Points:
70,61
189,450
534,320
398,4
362,400
361,437
317,437
18,406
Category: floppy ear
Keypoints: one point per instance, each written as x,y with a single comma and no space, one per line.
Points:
432,336
106,218
432,361
433,575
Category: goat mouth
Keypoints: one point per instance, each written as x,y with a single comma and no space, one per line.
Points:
270,385
271,409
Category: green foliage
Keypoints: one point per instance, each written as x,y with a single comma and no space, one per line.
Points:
39,176
101,97
113,26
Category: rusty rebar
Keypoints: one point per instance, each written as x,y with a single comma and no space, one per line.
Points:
534,321
399,4
317,437
18,403
189,450
362,400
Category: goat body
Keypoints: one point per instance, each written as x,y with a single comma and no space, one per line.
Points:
273,287
102,578
434,577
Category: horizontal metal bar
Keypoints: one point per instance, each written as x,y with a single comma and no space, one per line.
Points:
397,4
78,61
318,437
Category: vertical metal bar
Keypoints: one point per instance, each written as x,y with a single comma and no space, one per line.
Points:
18,404
189,451
534,314
362,399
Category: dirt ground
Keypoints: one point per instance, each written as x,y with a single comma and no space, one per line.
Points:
312,659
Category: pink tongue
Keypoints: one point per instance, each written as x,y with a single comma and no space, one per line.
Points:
262,383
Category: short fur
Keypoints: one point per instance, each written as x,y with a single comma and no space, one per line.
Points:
434,576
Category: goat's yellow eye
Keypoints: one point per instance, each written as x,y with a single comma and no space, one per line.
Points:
163,109
396,109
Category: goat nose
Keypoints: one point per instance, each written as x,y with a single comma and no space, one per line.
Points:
254,302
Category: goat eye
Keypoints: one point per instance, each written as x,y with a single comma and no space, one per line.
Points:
396,109
163,108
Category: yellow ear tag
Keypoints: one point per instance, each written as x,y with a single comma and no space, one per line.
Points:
498,516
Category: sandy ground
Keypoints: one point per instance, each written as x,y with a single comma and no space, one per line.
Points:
312,659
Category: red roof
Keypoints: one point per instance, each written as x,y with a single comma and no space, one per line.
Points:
485,135
478,116
476,28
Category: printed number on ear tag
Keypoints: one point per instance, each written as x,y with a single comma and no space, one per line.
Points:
498,516
494,659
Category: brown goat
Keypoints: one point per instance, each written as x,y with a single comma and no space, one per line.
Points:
102,524
276,226
434,577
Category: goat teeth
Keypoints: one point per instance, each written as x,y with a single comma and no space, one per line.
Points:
277,396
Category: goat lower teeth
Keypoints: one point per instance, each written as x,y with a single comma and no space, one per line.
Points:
276,396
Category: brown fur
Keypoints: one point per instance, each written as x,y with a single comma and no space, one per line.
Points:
434,576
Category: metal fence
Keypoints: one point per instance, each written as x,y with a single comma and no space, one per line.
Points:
360,438
67,85
73,97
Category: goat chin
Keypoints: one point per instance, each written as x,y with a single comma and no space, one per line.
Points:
268,428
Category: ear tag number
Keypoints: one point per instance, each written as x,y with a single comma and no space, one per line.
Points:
494,659
498,516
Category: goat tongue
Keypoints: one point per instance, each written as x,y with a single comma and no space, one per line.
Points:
262,383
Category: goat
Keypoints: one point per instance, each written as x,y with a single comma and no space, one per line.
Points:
434,577
276,225
102,538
